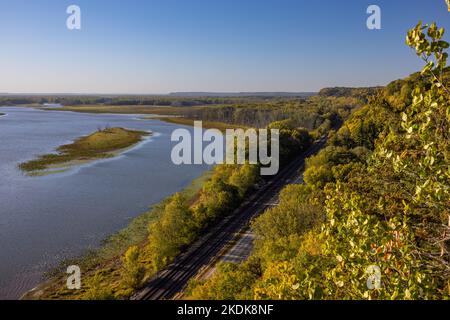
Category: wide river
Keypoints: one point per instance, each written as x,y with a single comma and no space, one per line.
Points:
46,219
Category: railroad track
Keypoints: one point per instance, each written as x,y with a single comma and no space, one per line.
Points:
173,279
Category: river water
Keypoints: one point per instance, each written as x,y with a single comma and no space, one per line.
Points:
46,219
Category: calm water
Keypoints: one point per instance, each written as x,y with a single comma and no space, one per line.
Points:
46,219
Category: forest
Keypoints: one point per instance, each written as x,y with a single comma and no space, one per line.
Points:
372,220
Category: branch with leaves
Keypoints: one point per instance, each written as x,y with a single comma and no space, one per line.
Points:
431,50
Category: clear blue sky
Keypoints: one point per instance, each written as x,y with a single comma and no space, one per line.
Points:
206,45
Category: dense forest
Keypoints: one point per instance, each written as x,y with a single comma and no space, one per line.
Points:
310,114
372,220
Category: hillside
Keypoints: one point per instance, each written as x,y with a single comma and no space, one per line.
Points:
372,219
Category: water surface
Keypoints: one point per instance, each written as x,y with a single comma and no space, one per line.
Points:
46,219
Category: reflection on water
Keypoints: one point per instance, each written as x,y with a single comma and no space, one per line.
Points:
46,219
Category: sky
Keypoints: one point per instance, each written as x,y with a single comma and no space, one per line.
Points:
162,46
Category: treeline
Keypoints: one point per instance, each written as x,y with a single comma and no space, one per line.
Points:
372,220
79,100
181,223
310,114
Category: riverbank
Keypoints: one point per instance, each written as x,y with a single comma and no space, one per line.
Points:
106,260
101,144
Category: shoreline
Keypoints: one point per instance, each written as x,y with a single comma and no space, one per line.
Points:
110,250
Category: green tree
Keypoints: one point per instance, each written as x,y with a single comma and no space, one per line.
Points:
175,229
244,178
133,271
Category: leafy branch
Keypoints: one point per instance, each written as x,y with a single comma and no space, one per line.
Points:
431,50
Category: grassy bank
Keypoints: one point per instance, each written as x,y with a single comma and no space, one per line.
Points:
98,145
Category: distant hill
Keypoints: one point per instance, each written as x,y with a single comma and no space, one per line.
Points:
348,92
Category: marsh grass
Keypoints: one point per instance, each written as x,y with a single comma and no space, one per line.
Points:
98,145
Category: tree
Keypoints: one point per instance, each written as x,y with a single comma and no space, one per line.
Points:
133,271
175,229
244,178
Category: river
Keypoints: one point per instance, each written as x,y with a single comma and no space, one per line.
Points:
46,219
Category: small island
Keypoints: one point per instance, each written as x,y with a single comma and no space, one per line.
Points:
102,144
